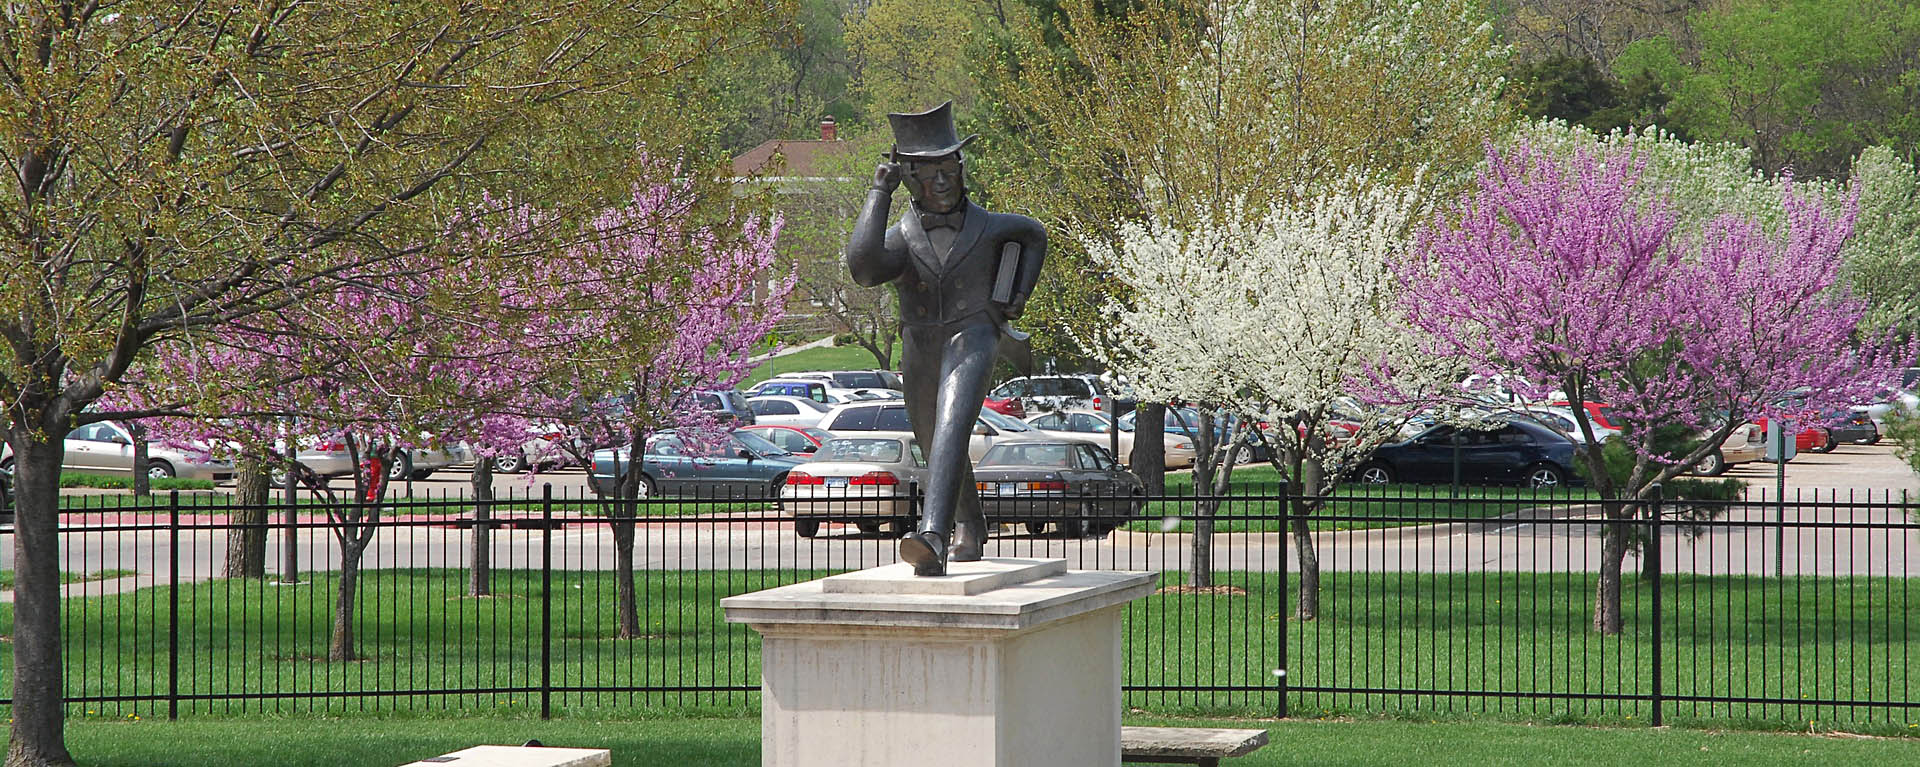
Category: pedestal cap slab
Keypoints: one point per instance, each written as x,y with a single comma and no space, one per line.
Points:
993,594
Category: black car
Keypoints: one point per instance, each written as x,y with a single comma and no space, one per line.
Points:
1853,427
1074,485
1517,452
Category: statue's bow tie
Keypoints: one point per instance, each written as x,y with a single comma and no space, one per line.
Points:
930,221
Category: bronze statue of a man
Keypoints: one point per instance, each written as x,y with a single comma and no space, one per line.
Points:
962,273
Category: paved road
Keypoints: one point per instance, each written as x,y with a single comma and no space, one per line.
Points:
1742,541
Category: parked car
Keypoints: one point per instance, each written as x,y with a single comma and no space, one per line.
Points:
329,457
1077,487
1518,451
859,418
1093,427
802,441
864,481
1806,439
6,497
1007,406
1065,392
1745,444
553,445
1889,401
1854,427
849,385
727,406
737,465
782,410
1185,422
106,448
813,390
1599,415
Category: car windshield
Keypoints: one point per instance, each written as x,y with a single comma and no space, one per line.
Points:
863,450
859,381
1002,422
709,401
1042,455
758,444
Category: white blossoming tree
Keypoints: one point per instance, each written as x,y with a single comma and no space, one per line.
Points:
1290,317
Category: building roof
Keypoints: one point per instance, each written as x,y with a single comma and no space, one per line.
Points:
804,159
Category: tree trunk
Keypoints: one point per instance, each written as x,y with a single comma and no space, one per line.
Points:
1200,555
39,709
1149,459
341,646
1307,600
626,592
1312,476
480,574
247,544
1606,594
142,484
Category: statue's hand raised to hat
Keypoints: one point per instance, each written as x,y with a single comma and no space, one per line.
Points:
886,178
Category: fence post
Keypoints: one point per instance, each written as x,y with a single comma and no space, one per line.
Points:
1653,561
290,551
1286,547
173,604
546,601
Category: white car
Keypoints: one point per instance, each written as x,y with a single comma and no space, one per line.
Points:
329,458
889,418
781,410
1094,427
864,480
107,448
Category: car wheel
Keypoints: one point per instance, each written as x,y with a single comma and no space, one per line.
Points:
1243,456
1036,528
806,528
159,470
772,491
509,464
1546,476
1829,444
1713,465
1873,440
400,468
1375,474
7,465
646,488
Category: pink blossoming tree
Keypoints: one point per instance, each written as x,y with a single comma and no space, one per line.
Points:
489,345
1568,275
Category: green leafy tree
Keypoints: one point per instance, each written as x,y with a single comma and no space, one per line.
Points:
182,168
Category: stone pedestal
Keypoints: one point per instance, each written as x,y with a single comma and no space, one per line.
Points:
1000,663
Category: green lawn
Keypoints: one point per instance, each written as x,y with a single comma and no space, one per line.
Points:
1805,638
825,358
219,503
731,742
6,577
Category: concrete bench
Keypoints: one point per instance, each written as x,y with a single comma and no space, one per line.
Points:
520,756
1187,745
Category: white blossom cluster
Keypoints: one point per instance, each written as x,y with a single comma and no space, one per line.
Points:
1282,317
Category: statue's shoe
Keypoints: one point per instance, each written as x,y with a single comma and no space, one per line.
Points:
968,541
926,551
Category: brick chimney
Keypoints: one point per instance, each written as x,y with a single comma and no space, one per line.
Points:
829,131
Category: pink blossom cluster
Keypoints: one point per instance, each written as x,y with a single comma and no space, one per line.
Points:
1567,274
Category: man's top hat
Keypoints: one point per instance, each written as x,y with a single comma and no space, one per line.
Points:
926,135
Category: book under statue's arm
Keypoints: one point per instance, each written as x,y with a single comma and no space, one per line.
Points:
1009,273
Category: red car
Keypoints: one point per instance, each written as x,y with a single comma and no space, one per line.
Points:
1008,407
1811,439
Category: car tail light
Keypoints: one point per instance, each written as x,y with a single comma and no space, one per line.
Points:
1052,484
330,446
803,478
1096,404
875,478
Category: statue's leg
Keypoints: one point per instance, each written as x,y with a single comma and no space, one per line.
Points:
965,372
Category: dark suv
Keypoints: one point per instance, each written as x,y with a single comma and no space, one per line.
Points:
727,405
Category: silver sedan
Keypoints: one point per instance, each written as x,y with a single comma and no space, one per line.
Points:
866,481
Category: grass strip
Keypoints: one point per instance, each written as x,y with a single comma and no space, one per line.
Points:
730,742
6,577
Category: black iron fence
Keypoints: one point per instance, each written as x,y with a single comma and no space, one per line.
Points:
1781,611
